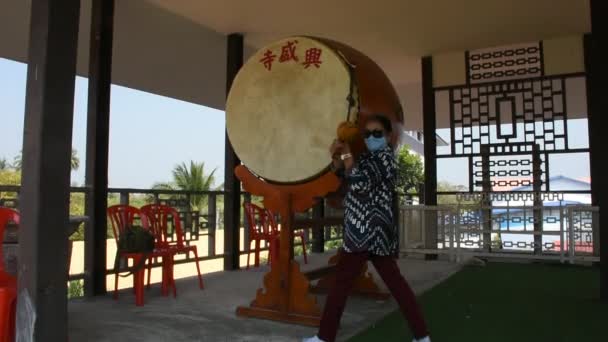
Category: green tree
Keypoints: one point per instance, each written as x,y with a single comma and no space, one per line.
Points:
75,289
9,177
74,162
3,164
410,174
191,178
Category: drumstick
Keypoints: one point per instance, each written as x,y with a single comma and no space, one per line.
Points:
347,132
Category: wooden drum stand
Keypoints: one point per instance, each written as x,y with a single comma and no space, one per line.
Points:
286,294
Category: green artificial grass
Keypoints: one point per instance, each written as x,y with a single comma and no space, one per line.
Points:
510,303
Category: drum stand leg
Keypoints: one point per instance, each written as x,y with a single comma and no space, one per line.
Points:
285,296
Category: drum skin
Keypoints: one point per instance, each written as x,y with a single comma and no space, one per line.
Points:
372,91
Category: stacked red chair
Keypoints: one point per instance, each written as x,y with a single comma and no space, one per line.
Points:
298,233
264,227
160,217
122,217
8,284
260,230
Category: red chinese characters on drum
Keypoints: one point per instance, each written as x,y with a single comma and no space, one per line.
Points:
312,56
269,57
288,52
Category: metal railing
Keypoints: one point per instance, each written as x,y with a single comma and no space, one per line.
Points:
568,233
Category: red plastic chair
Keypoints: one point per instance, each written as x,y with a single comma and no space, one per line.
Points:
296,233
8,300
121,217
159,217
260,229
8,284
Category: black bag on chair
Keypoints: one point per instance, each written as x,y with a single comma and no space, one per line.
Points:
134,239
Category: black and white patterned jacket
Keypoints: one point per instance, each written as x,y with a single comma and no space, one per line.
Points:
368,205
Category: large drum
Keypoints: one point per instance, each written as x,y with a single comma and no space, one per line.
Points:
288,99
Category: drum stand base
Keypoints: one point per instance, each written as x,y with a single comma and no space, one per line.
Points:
364,286
284,301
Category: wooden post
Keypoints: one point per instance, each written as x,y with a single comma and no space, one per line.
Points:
232,186
124,198
45,192
326,233
596,54
246,223
430,151
98,138
429,123
486,214
538,201
188,211
212,221
318,238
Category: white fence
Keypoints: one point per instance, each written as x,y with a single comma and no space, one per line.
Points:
564,233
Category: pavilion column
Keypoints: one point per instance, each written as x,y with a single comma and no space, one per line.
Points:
596,55
45,193
232,186
430,149
98,138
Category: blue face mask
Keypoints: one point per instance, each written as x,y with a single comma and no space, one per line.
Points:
375,144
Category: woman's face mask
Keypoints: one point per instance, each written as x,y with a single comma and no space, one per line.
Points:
375,138
374,143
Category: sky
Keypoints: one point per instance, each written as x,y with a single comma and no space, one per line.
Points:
149,134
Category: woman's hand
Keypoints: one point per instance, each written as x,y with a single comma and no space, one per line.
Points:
339,148
348,162
336,148
345,148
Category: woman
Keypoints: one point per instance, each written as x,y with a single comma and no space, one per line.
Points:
369,229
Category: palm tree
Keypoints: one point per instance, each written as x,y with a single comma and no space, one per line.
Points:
74,161
190,178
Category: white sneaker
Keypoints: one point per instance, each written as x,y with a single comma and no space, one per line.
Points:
312,339
424,339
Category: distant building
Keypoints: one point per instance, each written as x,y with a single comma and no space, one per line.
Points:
511,217
415,140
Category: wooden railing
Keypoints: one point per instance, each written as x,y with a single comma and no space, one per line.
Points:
201,214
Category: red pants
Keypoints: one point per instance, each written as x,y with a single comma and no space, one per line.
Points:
348,268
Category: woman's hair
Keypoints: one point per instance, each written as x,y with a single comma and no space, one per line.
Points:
383,120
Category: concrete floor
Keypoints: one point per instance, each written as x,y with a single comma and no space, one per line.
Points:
209,315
